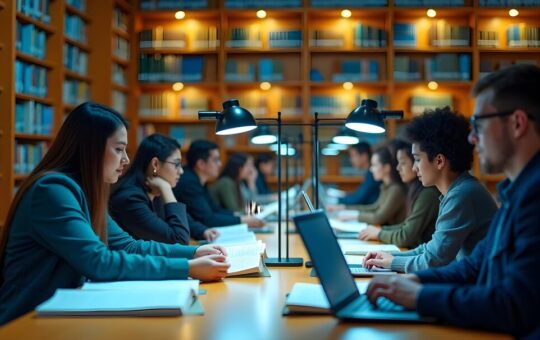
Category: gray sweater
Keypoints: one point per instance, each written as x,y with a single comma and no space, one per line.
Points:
464,216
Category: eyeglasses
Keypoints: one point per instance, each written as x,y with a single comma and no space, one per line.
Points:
476,118
177,165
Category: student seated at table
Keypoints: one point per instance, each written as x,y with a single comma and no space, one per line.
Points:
58,232
496,287
422,208
231,190
203,164
143,203
390,207
443,158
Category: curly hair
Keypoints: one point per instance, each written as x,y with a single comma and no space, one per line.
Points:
443,131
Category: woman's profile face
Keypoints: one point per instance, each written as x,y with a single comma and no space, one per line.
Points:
247,169
115,158
171,169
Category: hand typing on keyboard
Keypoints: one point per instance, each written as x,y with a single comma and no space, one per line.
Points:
402,290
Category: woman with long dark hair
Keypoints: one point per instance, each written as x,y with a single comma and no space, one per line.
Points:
230,190
390,206
143,203
422,208
59,220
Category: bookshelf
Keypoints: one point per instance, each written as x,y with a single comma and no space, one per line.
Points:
53,43
306,50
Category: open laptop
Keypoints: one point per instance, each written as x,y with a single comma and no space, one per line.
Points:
345,300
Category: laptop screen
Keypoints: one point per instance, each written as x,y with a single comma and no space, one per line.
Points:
327,258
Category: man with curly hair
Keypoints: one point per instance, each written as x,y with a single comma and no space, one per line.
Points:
443,158
496,287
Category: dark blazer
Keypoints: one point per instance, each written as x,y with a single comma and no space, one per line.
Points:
497,286
366,193
132,209
199,204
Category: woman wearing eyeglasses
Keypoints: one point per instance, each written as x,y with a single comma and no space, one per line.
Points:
143,203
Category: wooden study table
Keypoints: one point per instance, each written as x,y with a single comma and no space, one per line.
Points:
238,309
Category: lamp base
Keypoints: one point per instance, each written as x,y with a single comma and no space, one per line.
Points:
284,262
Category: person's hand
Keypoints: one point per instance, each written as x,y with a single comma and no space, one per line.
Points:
377,259
400,290
208,268
211,234
209,249
371,232
157,185
252,222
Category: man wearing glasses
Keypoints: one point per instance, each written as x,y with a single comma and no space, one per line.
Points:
496,287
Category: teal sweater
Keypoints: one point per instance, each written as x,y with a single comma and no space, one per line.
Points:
52,245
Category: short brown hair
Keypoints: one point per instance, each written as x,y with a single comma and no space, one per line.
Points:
514,87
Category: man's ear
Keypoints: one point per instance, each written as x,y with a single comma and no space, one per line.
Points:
200,164
519,124
440,161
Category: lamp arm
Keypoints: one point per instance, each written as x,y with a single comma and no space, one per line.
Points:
209,115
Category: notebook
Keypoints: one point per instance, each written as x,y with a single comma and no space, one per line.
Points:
125,298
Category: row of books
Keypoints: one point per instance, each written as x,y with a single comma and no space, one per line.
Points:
75,28
268,70
31,40
121,48
75,59
38,9
33,118
507,3
182,134
443,34
357,71
78,4
444,66
162,104
326,38
368,36
404,35
118,74
75,91
160,37
120,20
488,39
27,156
285,39
489,65
328,104
521,35
30,79
244,37
119,101
149,5
170,68
421,103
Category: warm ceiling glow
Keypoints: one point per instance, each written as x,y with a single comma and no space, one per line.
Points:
513,12
346,13
177,86
180,15
433,85
265,85
348,85
261,14
431,13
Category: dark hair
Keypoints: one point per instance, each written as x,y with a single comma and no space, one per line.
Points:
199,149
386,158
263,158
155,145
514,87
78,151
233,166
443,131
415,187
362,147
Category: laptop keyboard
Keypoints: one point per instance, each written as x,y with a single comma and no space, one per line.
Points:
383,305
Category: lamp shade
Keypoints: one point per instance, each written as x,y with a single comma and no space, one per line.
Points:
262,135
366,118
234,119
346,137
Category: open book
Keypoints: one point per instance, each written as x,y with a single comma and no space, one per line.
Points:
309,298
234,234
357,247
246,258
123,298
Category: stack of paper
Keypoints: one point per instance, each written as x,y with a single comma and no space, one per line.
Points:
136,298
246,258
357,247
309,298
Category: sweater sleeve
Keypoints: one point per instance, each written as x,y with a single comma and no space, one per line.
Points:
389,204
456,220
132,211
423,215
61,225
